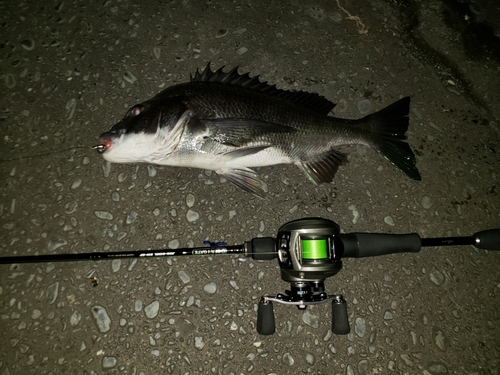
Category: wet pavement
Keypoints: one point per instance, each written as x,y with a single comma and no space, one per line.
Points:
71,69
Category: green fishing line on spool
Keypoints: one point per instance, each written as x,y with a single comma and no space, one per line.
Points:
314,249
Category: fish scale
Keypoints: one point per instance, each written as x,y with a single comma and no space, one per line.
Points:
231,122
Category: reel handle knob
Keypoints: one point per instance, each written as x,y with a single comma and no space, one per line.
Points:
340,320
265,318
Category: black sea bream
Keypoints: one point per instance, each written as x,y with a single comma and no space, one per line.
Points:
231,122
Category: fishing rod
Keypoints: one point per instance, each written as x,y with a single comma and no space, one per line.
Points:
309,251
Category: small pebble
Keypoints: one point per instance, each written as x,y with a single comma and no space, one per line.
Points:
151,171
173,244
192,216
437,369
190,199
389,221
157,52
104,215
239,32
54,244
131,217
436,277
426,202
116,264
241,50
52,292
36,314
210,288
288,359
355,213
129,77
198,343
310,319
360,327
109,362
76,184
106,168
102,318
152,309
75,318
184,277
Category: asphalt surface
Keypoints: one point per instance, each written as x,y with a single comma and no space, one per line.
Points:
70,70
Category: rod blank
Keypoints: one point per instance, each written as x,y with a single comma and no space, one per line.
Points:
236,249
485,240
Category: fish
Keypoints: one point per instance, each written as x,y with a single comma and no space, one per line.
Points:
229,123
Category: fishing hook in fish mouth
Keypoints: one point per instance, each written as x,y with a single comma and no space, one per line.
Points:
100,148
104,145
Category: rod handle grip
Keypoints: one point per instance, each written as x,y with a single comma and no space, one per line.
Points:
488,239
360,245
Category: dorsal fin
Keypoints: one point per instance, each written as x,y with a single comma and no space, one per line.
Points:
308,100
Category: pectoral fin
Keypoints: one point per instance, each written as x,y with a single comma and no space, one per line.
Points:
240,131
245,151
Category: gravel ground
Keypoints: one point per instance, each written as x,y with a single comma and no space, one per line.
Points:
70,70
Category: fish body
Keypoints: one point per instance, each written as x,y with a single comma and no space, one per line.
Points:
231,122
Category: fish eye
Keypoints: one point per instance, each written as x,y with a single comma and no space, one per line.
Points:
136,111
118,131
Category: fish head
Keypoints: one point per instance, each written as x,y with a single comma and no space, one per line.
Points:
145,132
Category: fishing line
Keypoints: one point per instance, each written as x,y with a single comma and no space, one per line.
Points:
43,154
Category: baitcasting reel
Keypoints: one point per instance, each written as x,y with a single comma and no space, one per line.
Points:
308,250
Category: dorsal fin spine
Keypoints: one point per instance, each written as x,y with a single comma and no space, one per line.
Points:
311,101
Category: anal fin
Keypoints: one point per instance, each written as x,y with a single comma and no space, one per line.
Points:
323,167
246,179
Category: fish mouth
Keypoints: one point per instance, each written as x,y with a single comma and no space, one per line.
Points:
105,143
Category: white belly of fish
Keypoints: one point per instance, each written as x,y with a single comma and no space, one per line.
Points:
225,161
266,157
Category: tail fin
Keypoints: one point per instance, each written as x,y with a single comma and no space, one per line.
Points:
388,134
